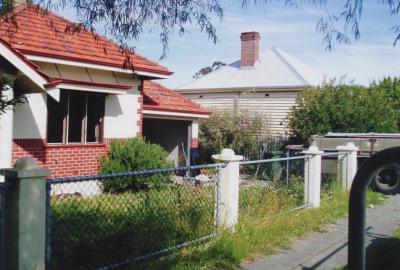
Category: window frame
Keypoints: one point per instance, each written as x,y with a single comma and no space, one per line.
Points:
84,121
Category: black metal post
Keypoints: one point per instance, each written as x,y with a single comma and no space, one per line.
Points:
357,201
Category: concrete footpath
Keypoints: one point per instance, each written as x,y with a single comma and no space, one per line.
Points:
328,250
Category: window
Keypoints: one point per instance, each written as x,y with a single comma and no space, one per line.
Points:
77,118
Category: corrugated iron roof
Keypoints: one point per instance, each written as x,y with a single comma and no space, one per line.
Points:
275,69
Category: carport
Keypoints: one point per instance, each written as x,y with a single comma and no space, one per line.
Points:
172,121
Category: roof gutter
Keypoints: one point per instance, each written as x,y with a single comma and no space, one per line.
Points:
73,61
239,89
167,114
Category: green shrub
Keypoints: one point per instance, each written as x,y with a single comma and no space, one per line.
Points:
342,108
391,87
238,131
134,155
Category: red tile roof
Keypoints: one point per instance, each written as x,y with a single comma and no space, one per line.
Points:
34,31
160,98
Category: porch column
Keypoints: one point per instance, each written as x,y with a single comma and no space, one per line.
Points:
193,140
6,132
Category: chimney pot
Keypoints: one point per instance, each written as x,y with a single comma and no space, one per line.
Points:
249,48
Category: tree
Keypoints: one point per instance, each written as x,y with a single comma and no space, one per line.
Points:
342,108
124,20
205,70
6,103
7,77
390,86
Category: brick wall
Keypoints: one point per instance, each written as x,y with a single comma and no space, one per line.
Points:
62,160
194,143
249,48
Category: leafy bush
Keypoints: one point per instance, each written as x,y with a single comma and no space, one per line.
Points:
134,155
391,87
342,108
238,131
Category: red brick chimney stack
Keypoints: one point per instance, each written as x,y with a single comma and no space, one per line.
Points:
250,48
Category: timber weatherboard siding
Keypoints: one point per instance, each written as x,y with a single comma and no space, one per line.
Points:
274,108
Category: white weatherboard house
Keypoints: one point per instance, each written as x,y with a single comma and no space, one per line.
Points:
82,93
265,84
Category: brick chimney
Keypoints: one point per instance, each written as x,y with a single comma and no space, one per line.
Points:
250,49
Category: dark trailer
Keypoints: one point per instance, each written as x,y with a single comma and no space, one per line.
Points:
387,179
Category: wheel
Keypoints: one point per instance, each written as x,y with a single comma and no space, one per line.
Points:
387,179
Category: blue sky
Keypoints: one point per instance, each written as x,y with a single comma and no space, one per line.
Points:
290,29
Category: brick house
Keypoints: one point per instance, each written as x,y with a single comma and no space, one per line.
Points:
82,91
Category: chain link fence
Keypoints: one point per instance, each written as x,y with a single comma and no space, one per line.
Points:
110,220
268,186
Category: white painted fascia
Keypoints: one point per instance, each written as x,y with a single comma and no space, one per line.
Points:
172,115
150,74
31,73
88,88
54,93
94,66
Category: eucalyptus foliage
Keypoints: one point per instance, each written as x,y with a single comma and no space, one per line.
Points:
124,19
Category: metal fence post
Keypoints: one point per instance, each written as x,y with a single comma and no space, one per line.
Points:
312,177
228,207
347,164
26,216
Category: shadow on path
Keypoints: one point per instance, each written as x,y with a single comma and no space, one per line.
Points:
383,253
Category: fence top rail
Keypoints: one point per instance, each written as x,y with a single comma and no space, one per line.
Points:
131,173
272,160
332,154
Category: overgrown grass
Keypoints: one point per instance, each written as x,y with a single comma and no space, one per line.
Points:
110,228
91,232
273,227
261,235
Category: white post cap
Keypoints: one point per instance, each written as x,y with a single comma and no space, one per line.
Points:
313,150
348,147
228,155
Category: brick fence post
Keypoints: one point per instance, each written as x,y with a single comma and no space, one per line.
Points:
26,216
347,164
312,176
228,206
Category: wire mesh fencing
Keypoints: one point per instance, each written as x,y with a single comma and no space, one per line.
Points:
269,186
110,220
